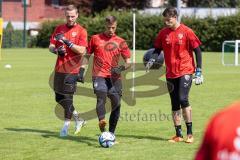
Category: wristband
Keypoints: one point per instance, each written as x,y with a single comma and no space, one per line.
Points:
68,43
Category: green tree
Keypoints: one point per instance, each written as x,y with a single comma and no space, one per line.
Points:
96,6
84,6
12,38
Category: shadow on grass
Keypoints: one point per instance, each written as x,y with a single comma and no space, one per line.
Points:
46,134
143,137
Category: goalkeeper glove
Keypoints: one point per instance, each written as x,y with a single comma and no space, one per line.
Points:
151,61
60,37
80,76
68,43
61,51
198,76
118,70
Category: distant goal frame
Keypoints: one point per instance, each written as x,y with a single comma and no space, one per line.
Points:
236,52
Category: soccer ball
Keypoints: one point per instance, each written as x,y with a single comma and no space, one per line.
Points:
106,139
156,64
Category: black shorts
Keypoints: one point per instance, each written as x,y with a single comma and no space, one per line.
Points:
107,85
179,90
65,83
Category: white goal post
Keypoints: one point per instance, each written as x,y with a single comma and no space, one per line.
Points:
235,52
134,54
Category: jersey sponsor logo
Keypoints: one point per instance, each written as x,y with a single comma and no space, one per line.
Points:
110,46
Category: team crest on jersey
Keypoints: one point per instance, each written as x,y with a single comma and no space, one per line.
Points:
74,34
180,36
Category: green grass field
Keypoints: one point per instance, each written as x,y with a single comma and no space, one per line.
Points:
29,129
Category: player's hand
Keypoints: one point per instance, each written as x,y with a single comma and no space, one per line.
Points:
61,51
149,64
151,61
60,37
80,76
198,77
117,70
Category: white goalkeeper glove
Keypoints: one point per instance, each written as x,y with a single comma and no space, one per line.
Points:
151,61
198,78
149,64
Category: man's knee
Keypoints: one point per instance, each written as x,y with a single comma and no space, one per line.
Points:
65,100
184,102
58,97
115,100
116,111
101,97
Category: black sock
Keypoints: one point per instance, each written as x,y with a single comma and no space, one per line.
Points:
114,116
189,128
178,130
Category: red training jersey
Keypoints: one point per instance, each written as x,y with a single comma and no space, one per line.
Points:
69,63
177,46
222,137
107,52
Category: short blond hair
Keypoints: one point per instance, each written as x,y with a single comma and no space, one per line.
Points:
71,7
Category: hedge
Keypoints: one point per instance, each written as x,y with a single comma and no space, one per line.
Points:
14,38
212,32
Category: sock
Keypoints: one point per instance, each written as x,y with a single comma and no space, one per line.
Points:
178,130
189,128
66,124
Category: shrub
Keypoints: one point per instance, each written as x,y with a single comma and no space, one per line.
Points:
12,38
212,32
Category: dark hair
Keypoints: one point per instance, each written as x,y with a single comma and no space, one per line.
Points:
71,7
110,19
170,12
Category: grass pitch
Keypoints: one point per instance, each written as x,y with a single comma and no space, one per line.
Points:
29,129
